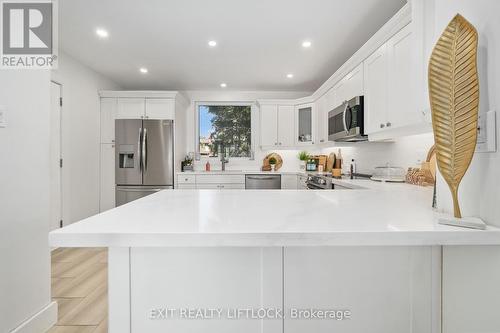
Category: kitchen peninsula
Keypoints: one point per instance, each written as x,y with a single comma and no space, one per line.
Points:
377,246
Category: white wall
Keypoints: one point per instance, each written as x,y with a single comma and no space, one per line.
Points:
480,187
24,201
80,136
471,296
403,152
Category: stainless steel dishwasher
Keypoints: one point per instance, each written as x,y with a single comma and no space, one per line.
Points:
262,182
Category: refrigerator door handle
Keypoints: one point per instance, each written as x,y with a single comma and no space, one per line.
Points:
139,149
145,150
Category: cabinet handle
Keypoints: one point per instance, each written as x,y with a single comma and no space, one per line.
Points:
275,143
388,124
322,140
382,125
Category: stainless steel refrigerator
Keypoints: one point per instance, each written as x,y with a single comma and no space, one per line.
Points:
144,158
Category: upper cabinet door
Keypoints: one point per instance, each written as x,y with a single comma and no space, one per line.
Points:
375,86
402,108
322,120
160,108
305,120
286,126
130,108
350,86
331,100
108,114
269,125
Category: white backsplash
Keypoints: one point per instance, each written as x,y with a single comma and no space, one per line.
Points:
404,152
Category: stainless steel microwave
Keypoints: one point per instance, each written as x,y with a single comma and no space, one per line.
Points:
346,122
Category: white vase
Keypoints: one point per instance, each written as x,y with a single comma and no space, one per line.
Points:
273,167
302,165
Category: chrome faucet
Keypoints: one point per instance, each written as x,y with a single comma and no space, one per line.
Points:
223,158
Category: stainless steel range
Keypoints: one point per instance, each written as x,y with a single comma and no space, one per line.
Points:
327,182
319,182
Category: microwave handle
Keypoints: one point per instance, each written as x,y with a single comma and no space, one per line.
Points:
344,117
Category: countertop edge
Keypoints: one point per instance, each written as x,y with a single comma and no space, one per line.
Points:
355,238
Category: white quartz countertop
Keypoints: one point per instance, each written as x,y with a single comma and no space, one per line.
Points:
372,214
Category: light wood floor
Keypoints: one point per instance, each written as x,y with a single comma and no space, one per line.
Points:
80,287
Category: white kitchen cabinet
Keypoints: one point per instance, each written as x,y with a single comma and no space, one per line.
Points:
288,182
220,186
205,278
277,125
268,125
322,120
107,177
286,126
305,119
186,187
391,89
350,86
108,115
331,99
301,182
401,101
385,289
159,108
130,108
375,100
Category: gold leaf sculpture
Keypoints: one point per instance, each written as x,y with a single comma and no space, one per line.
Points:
454,97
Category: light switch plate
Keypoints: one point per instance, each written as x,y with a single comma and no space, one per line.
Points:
487,133
3,116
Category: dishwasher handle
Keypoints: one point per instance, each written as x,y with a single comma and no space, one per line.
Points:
262,177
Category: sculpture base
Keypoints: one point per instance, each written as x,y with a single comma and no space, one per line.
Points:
465,222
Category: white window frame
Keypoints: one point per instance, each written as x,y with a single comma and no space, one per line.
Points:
254,116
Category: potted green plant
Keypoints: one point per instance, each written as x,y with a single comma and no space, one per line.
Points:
303,157
272,162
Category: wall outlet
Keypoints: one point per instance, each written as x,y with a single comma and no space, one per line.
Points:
487,133
3,116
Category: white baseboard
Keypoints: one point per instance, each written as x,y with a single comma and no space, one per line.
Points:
40,322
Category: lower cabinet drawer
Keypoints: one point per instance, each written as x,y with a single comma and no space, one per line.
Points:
220,186
186,187
220,179
186,179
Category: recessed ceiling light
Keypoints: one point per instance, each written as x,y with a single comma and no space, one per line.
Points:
212,43
102,33
143,70
290,76
306,44
223,85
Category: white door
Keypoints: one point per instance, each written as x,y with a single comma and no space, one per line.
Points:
286,125
402,108
55,157
375,72
130,108
268,125
107,177
108,115
160,108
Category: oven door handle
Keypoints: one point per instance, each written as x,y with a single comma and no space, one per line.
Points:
344,117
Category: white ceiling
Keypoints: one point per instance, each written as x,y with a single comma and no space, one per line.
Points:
259,41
